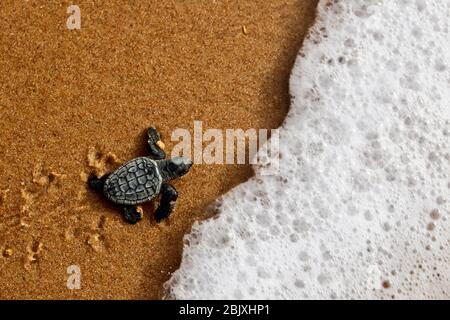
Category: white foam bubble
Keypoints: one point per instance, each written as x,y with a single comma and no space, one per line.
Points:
361,206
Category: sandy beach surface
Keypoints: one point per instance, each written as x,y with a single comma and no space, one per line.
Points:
78,101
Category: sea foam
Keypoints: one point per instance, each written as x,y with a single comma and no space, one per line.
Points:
360,208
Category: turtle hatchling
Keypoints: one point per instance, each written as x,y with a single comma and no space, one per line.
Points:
142,179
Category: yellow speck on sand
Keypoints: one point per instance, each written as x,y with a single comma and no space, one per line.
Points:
8,252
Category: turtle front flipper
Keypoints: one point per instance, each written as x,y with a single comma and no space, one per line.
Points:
155,144
168,198
131,214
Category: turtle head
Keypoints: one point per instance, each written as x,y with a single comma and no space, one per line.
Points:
177,167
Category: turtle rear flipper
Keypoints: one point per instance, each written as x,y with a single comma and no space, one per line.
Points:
153,138
168,198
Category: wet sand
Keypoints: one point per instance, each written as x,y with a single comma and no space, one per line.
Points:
76,101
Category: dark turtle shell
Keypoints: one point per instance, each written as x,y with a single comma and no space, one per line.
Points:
135,182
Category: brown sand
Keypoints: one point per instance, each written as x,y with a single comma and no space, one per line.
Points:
67,98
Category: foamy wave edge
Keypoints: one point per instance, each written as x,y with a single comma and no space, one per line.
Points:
360,208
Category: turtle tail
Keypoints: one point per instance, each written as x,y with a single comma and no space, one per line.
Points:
96,183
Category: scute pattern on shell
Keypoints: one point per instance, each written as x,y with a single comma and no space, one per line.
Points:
135,182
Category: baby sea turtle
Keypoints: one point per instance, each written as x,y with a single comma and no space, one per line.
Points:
142,179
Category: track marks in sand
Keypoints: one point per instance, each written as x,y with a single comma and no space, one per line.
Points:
92,236
34,252
28,208
33,204
96,239
99,162
44,181
32,194
46,178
